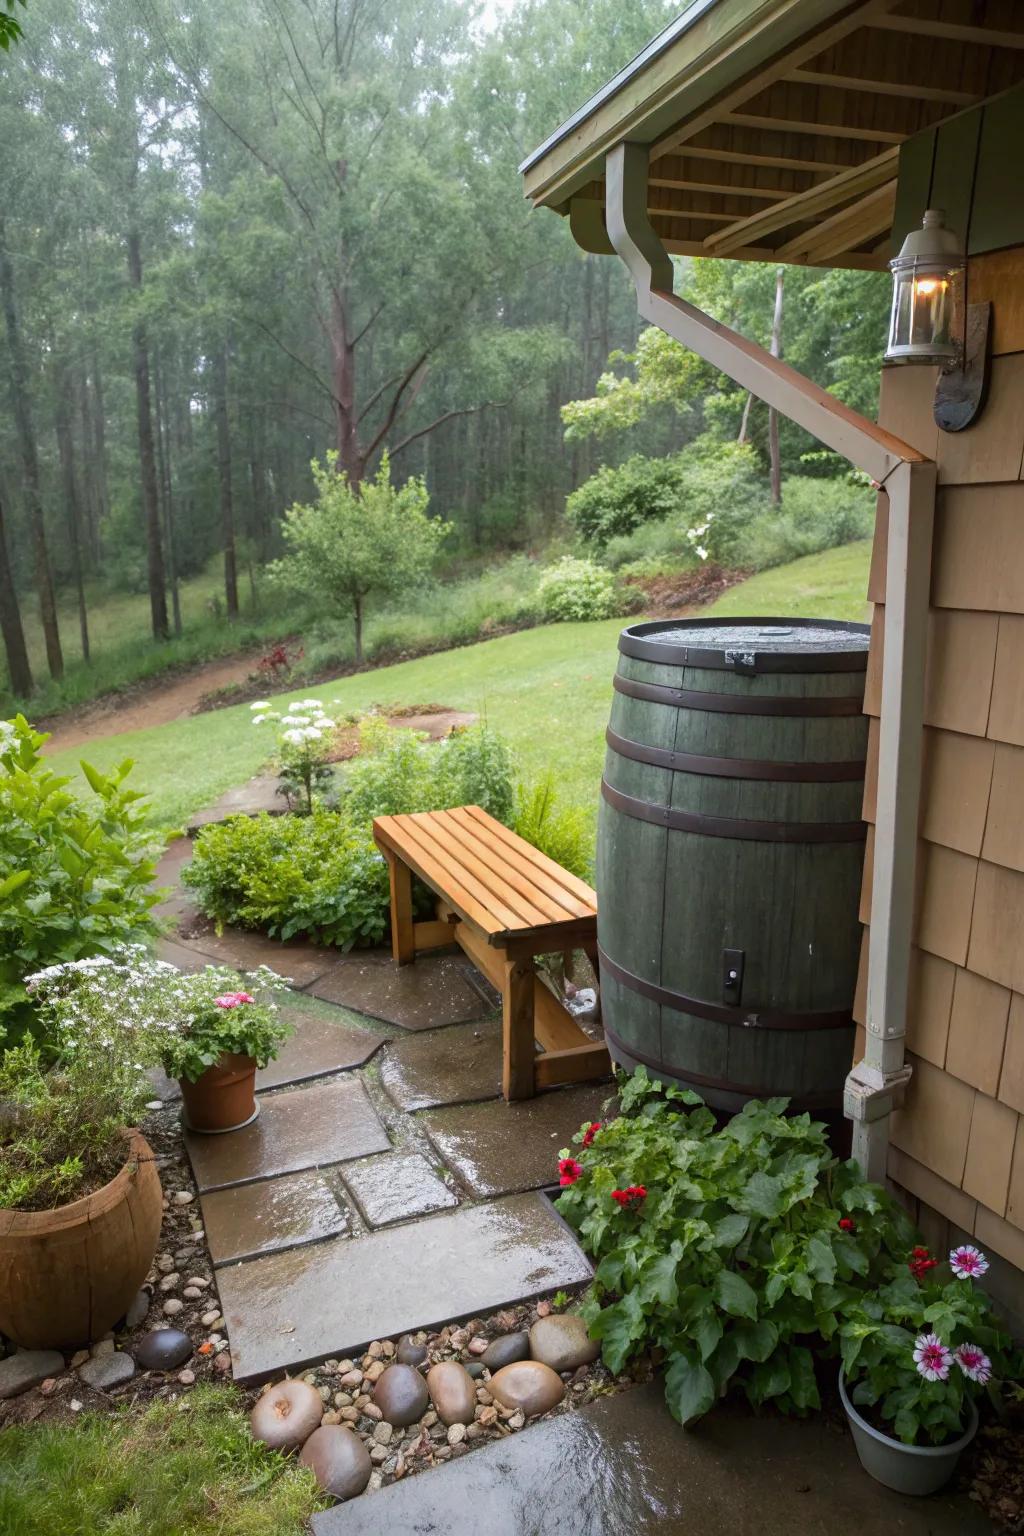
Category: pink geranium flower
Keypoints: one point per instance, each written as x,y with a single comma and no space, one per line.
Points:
233,999
967,1262
973,1362
931,1357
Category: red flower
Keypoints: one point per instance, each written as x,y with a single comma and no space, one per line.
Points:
631,1198
590,1132
569,1170
921,1262
847,1224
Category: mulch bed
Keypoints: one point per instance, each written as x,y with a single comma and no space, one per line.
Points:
667,596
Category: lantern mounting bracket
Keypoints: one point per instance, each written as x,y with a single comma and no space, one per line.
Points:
962,387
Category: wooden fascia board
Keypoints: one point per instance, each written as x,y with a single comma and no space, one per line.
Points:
733,38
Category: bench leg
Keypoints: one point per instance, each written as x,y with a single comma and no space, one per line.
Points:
517,1018
403,945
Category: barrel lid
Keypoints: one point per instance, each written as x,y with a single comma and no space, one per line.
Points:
751,645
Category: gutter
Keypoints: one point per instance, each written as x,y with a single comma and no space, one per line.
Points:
874,1084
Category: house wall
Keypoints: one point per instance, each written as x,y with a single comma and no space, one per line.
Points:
957,1143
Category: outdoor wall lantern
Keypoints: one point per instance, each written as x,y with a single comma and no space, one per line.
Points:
931,322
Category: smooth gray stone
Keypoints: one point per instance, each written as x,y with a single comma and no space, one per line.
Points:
107,1371
505,1350
139,1310
562,1342
27,1369
162,1349
623,1467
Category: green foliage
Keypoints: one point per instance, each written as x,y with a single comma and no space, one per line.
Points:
665,373
617,499
731,1259
565,832
877,1343
575,588
10,28
815,515
74,877
357,543
400,772
213,1012
183,1465
318,875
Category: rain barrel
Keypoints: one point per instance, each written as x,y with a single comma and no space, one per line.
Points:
729,854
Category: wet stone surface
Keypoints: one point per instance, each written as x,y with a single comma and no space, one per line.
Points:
396,1188
286,1212
162,1349
249,799
453,1066
27,1368
289,1308
297,961
437,989
301,1128
318,1047
497,1148
623,1465
108,1371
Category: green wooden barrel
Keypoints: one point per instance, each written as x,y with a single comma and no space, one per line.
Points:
730,846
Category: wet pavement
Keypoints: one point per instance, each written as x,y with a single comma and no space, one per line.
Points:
319,1047
623,1467
290,1309
495,1149
396,1188
259,794
437,989
296,1129
272,1214
449,1066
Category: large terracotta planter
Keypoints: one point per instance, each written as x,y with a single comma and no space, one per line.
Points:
223,1098
68,1275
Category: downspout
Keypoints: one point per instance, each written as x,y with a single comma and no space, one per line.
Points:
909,481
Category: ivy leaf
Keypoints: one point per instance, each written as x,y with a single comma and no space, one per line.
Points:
762,1195
707,1333
732,1229
689,1389
734,1295
755,1341
768,1380
619,1327
821,1261
658,1281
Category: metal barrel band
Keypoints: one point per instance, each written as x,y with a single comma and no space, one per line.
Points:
741,703
720,1013
735,767
798,1101
738,829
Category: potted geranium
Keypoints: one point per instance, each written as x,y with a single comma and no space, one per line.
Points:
916,1355
226,1026
80,1199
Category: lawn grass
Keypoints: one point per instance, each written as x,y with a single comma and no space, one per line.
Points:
546,690
181,1467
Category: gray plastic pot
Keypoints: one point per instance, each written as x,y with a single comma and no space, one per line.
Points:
914,1469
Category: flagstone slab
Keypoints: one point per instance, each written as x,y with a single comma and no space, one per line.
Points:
288,1310
319,1046
249,799
177,905
436,989
496,1148
302,1128
251,1219
451,1066
622,1466
296,961
396,1188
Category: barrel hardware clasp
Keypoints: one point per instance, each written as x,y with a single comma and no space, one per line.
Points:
742,661
732,976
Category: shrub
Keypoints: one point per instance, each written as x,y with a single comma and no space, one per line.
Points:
318,875
564,832
577,589
815,514
619,498
399,772
729,1249
74,877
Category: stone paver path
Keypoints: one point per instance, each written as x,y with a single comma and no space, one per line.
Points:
623,1467
385,1186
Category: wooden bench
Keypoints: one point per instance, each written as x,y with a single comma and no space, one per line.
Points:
505,903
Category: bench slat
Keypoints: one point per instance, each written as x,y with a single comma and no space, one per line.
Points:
502,868
501,892
401,839
516,856
562,877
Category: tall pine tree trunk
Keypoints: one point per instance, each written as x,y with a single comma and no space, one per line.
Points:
21,410
99,421
343,380
18,669
227,509
147,452
163,465
72,503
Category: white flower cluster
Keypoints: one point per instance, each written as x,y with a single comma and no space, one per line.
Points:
7,735
303,722
696,535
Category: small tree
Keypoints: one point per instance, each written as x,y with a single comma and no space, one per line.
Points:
356,544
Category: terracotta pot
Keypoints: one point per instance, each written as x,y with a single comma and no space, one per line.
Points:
223,1098
68,1275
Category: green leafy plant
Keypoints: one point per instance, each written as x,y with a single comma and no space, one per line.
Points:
620,498
304,735
212,1014
75,878
917,1350
319,875
734,1250
564,832
578,589
399,772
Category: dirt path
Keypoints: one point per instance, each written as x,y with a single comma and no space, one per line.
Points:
152,703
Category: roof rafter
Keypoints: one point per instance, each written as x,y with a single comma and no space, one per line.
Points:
882,87
951,31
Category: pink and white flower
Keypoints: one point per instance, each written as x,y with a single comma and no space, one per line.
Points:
931,1357
974,1362
233,999
967,1262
